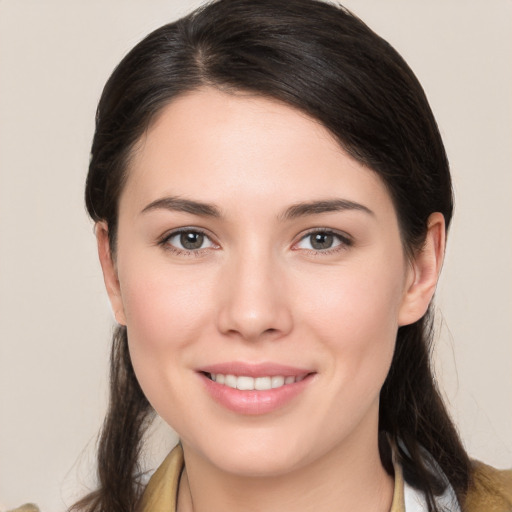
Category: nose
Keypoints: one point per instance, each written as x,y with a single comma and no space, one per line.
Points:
253,300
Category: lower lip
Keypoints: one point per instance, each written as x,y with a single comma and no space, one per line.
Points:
254,402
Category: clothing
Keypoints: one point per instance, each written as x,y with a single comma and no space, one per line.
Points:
491,491
28,507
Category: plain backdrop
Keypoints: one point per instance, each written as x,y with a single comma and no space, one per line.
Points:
55,321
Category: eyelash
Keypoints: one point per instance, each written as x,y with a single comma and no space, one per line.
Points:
344,242
164,242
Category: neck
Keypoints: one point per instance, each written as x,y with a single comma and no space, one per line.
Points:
348,478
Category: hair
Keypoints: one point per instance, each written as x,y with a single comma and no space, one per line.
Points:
324,61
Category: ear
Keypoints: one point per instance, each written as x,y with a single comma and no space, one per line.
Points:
424,271
109,272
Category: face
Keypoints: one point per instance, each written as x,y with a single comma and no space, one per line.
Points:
262,279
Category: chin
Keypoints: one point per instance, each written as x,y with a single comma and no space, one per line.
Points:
258,465
252,454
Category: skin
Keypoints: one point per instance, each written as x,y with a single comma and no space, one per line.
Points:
257,291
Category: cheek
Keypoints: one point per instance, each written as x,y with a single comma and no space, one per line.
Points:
357,301
166,313
356,317
165,317
163,306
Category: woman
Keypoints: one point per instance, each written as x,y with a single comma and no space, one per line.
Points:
271,198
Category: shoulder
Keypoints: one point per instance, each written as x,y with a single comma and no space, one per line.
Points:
29,507
491,490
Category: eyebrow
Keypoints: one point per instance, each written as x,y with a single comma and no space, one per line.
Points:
297,210
326,206
179,204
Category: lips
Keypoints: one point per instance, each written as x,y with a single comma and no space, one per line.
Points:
254,388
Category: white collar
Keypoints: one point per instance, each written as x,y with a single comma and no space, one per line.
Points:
415,500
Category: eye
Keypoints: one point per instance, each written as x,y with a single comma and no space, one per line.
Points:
323,240
188,240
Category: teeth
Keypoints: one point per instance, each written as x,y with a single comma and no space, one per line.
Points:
277,382
263,383
230,381
246,383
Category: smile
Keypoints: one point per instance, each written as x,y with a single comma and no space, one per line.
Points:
255,389
248,383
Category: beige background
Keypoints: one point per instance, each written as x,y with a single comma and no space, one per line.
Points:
55,322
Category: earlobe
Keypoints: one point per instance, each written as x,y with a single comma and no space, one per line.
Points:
424,272
109,272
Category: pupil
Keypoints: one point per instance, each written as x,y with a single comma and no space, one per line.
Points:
321,241
191,240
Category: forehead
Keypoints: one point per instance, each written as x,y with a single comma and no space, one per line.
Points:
228,148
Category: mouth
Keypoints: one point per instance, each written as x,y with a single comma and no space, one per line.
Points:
248,383
255,389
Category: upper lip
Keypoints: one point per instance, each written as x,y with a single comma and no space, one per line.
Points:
254,369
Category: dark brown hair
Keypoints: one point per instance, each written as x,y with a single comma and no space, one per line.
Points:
324,61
